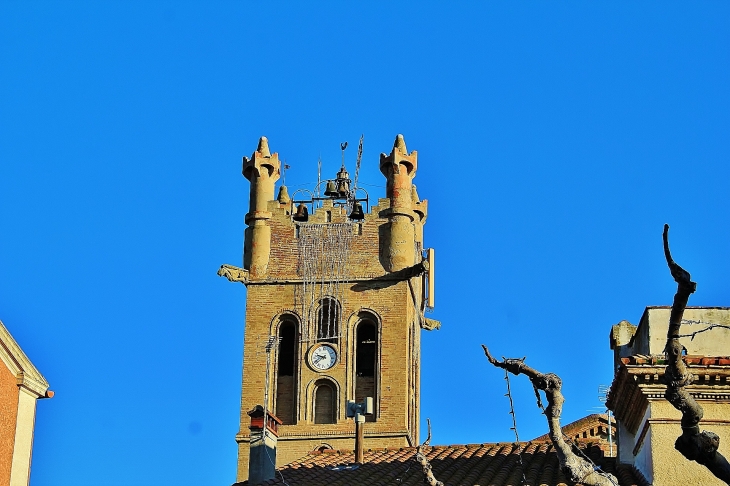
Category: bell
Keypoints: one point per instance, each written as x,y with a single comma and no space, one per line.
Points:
357,214
302,213
331,189
343,188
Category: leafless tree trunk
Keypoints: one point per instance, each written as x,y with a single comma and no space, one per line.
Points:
577,469
692,444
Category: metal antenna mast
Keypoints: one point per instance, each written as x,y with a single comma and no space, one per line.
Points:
319,173
357,164
283,173
343,146
270,343
603,396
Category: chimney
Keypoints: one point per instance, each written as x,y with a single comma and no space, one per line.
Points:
264,434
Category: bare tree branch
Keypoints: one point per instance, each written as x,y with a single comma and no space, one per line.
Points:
421,458
577,469
692,444
709,328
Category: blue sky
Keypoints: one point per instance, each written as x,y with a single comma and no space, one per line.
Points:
554,141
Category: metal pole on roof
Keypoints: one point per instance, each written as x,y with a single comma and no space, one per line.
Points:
610,439
271,341
359,438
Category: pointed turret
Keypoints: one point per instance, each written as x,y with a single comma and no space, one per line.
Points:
400,144
399,167
262,170
263,147
399,156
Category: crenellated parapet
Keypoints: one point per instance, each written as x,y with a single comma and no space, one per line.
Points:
394,224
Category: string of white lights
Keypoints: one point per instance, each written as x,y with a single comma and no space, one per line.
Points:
323,262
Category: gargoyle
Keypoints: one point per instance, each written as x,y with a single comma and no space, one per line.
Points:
233,273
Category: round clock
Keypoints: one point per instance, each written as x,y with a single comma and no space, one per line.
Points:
323,357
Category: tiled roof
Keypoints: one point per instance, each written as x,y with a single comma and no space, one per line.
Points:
475,464
594,426
654,360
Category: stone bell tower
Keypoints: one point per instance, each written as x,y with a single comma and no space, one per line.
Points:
335,303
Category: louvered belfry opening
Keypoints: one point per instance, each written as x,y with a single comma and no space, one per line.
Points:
324,403
328,320
366,363
286,373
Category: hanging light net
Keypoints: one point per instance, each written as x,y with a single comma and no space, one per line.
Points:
324,251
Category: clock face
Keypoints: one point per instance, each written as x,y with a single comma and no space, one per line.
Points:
323,357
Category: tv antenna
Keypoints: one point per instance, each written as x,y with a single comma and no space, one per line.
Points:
603,397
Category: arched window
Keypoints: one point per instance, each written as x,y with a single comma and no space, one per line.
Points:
286,375
328,320
325,403
366,354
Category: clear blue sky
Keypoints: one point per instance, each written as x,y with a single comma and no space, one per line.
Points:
554,141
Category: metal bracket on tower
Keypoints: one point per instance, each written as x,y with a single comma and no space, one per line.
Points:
354,409
358,411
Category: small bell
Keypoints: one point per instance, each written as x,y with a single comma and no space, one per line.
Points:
302,213
357,214
331,189
343,188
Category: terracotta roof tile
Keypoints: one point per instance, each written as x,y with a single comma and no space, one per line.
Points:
660,360
458,465
591,427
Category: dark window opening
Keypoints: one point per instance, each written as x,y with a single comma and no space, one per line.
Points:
286,373
287,349
366,353
366,342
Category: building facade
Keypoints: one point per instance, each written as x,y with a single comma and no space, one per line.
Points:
334,307
21,385
648,425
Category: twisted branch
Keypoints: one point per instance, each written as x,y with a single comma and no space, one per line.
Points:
430,479
692,444
577,469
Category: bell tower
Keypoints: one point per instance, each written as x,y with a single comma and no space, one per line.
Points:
336,290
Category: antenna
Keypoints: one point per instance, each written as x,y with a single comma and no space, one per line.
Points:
343,146
283,173
603,397
357,164
319,173
271,341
